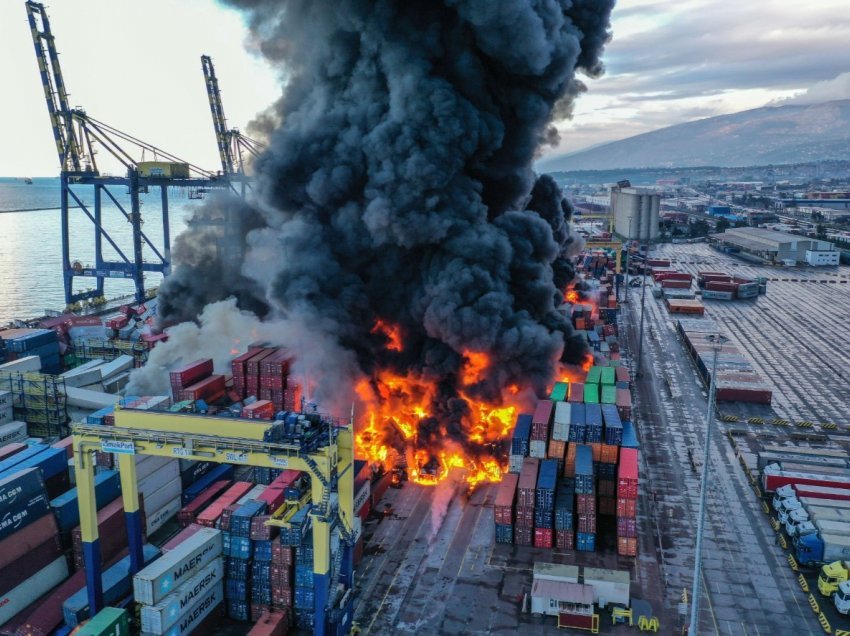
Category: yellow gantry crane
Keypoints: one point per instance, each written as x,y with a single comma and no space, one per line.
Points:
232,441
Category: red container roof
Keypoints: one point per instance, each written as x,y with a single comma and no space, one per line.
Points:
528,476
543,412
628,463
507,490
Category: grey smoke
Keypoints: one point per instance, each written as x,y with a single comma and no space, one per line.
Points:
399,186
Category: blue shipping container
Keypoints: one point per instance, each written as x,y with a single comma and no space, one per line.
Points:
522,433
96,418
577,414
630,439
194,471
504,533
31,340
240,547
24,501
304,576
263,551
547,478
117,584
223,471
544,518
593,414
107,488
11,462
51,461
240,520
585,542
584,469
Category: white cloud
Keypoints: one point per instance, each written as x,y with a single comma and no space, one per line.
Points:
826,91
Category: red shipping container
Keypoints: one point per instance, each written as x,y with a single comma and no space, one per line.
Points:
626,546
19,544
276,364
38,557
576,393
257,611
191,373
570,463
626,527
210,389
622,374
527,482
505,497
281,598
259,410
187,514
281,574
675,284
260,531
282,554
540,431
524,536
564,539
216,509
11,449
543,413
627,507
238,364
543,538
627,474
586,523
252,366
721,286
271,624
624,404
608,506
273,382
524,517
275,494
586,504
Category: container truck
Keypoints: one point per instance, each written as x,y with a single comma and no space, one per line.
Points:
782,493
775,476
831,575
816,549
809,514
822,492
786,507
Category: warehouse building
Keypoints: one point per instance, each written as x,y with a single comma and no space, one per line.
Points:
777,247
636,212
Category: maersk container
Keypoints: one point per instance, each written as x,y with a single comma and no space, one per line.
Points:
12,432
561,425
23,500
160,617
159,579
157,499
522,433
116,586
110,621
107,488
35,586
220,472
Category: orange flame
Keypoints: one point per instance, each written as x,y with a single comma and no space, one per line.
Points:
397,404
571,296
392,334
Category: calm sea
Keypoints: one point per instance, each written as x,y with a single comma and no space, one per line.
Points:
31,242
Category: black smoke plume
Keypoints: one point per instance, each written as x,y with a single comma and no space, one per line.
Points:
399,186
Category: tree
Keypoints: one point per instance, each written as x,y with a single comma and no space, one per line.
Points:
722,225
699,228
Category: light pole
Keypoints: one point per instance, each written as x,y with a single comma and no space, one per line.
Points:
717,342
642,310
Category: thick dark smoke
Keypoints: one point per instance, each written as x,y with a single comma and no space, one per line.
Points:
399,185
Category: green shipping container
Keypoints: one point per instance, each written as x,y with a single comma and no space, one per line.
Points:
591,393
609,394
559,392
608,376
110,621
593,375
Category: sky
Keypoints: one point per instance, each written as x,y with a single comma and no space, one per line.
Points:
136,65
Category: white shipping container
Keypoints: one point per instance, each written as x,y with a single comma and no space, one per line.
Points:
38,584
255,492
561,426
196,614
157,618
23,365
177,566
158,498
12,432
157,519
152,474
515,463
537,448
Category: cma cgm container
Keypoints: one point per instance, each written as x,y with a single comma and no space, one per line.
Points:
24,501
505,499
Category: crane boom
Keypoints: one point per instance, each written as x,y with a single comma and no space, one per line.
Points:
61,118
222,135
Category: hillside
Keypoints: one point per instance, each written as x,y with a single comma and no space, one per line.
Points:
769,135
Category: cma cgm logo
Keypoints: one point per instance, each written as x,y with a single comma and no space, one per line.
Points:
10,495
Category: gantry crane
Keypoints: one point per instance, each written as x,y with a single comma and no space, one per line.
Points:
77,136
243,442
233,145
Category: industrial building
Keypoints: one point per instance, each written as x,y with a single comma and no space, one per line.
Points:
636,212
777,247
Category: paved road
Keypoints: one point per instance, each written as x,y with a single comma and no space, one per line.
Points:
750,589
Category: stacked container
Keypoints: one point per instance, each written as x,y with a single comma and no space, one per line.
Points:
585,494
239,565
504,508
544,504
578,423
627,492
520,442
564,515
305,595
526,486
540,424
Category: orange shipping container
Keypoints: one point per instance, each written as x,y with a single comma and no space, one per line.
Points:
557,449
626,546
609,453
596,449
570,465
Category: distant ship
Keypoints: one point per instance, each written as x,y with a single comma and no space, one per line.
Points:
28,180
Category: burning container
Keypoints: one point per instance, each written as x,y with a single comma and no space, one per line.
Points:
559,392
191,373
576,392
504,508
520,442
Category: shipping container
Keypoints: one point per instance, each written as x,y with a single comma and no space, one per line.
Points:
504,533
559,392
221,472
158,618
39,583
584,469
19,544
157,499
37,558
51,461
537,449
627,474
157,580
110,621
557,450
546,481
521,435
561,424
24,501
629,436
570,462
543,537
585,542
158,518
626,507
565,539
107,488
626,527
576,392
210,389
527,482
111,530
188,513
591,393
505,499
191,373
116,582
11,449
274,623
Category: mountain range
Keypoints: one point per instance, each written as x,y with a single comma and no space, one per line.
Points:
790,133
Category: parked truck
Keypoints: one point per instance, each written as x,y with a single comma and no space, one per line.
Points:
832,575
794,511
800,523
817,549
775,476
841,598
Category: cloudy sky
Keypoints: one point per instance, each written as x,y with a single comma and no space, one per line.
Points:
136,66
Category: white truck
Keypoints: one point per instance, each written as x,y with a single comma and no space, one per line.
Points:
797,519
786,507
842,598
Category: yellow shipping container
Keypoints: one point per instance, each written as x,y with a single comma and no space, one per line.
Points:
166,169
